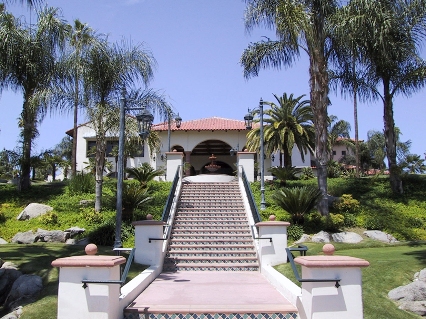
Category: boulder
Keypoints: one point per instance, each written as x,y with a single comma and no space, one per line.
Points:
415,291
381,236
418,307
52,236
34,210
9,265
7,278
23,290
15,314
346,237
28,237
73,231
321,237
2,241
303,239
87,202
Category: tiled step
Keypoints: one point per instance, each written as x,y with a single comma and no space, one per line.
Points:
211,267
208,229
212,253
207,241
212,247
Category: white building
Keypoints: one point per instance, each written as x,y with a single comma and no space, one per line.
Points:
197,139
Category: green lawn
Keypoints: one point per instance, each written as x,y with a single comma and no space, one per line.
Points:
390,266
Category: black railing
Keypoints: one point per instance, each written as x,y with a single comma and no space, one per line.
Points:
169,202
252,203
302,250
123,275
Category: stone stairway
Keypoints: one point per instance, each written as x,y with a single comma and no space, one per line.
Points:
210,231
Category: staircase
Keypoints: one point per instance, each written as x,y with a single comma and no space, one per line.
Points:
210,231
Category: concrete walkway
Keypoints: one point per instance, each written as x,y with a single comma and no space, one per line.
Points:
211,291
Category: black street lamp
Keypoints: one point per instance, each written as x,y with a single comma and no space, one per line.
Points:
145,119
178,122
248,119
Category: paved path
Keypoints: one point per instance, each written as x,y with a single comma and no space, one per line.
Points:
207,291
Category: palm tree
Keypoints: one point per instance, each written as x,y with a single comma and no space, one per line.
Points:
388,36
338,134
107,70
28,57
300,25
289,124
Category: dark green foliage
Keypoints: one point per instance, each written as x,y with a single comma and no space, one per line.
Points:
297,201
134,196
294,232
50,218
144,173
307,173
81,184
334,169
284,174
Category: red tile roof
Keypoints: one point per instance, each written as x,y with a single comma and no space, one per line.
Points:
206,124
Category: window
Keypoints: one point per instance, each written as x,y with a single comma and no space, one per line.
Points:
112,149
334,152
343,153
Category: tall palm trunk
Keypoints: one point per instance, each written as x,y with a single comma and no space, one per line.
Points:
287,155
355,88
28,118
74,139
390,139
319,101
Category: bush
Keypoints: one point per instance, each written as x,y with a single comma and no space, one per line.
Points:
346,205
307,173
81,184
91,216
334,169
50,218
285,173
334,222
297,201
294,232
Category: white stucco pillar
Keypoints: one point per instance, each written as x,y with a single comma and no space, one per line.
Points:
96,300
174,159
272,251
246,160
149,252
322,300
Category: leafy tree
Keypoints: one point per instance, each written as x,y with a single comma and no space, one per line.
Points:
9,163
413,164
28,57
300,25
387,36
107,71
289,124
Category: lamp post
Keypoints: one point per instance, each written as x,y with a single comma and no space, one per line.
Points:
248,119
178,121
144,119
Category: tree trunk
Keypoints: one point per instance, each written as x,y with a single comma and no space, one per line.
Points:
99,170
319,103
28,118
355,88
287,158
390,140
281,159
74,134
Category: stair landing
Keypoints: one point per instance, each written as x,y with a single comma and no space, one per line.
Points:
210,295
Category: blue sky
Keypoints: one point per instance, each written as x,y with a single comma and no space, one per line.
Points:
197,45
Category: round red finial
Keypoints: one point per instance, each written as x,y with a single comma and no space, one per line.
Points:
91,249
149,217
328,249
272,218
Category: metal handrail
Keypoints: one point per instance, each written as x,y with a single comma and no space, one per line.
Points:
169,202
303,250
123,275
252,203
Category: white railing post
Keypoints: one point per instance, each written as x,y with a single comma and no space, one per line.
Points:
91,300
246,160
322,300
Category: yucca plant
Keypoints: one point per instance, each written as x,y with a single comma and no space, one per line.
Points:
297,201
134,195
144,173
284,174
81,183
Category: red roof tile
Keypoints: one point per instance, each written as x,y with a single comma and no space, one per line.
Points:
207,124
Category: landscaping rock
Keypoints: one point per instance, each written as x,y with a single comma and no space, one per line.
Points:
9,265
421,275
73,231
23,290
7,278
303,239
15,314
2,241
28,237
381,236
415,291
52,235
418,307
34,210
346,237
87,202
321,237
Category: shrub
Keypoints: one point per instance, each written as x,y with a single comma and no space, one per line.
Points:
346,204
144,173
307,173
91,216
297,201
104,234
50,218
334,221
81,183
284,174
334,169
294,232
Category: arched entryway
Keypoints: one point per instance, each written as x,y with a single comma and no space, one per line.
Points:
201,153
